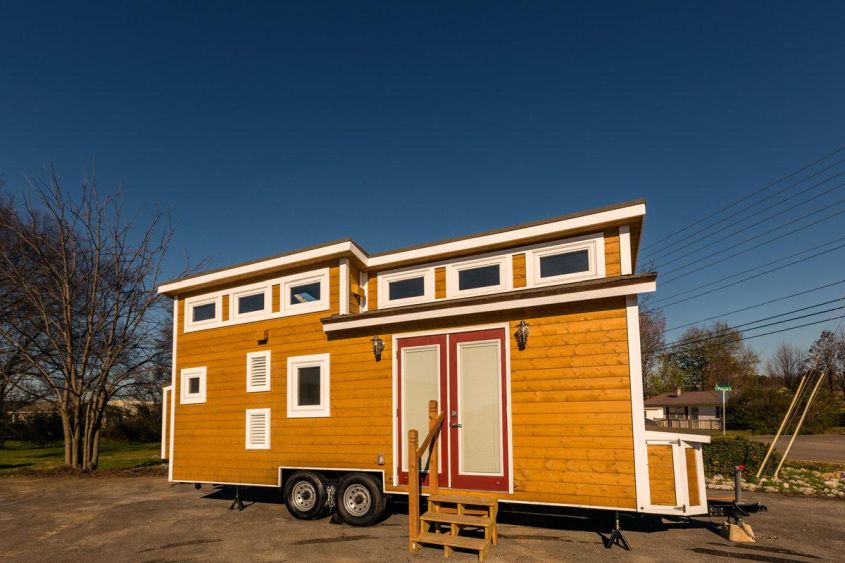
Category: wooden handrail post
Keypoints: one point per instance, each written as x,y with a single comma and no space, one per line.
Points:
433,465
413,492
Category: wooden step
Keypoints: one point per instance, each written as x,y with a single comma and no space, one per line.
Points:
464,499
448,540
462,519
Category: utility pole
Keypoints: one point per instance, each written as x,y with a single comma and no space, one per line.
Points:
723,389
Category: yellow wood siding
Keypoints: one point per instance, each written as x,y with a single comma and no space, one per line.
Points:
692,476
612,258
661,475
519,270
372,292
440,283
225,307
571,410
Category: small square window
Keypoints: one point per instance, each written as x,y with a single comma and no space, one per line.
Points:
305,293
193,386
251,303
405,289
308,386
205,312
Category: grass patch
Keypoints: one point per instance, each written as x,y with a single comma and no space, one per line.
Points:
23,457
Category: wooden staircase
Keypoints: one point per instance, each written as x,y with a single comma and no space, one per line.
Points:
448,513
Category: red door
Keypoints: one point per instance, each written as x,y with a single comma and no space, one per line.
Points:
478,423
465,372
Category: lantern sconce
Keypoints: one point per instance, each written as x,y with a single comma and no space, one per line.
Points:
521,335
378,347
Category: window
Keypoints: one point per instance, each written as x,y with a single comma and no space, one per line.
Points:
305,293
192,386
474,277
202,312
406,287
308,386
251,301
575,259
258,429
258,371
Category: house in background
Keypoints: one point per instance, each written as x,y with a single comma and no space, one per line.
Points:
690,410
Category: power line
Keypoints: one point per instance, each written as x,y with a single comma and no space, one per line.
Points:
761,221
743,280
723,332
743,309
749,196
744,338
765,242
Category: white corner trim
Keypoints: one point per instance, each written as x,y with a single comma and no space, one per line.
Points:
456,310
625,250
173,389
165,398
363,281
344,286
643,490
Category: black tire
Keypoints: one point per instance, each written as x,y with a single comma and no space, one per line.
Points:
305,495
360,501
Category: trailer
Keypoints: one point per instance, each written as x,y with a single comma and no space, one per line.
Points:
313,371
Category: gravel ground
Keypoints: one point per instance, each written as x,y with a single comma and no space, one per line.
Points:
147,519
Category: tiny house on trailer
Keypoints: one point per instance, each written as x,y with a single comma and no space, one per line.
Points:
308,371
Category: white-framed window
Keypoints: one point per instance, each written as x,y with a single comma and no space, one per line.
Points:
193,384
305,293
203,311
250,301
575,259
476,277
405,287
258,429
308,386
258,371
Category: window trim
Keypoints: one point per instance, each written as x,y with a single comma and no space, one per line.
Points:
192,302
248,425
187,398
593,244
250,388
246,291
322,410
289,282
454,269
385,279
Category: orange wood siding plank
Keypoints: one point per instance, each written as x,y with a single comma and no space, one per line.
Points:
440,283
661,475
519,279
692,476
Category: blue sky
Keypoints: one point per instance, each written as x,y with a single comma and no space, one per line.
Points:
267,127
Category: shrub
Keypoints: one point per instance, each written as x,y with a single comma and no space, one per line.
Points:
40,429
761,410
723,455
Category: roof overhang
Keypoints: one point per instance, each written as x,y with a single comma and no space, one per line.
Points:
350,249
568,293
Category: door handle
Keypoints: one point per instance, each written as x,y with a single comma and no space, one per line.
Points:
456,425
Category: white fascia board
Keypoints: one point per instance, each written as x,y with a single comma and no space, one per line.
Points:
696,438
281,261
612,215
633,289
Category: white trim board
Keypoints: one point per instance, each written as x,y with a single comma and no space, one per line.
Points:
173,388
457,310
349,247
635,371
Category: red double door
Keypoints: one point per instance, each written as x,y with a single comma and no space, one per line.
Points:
466,373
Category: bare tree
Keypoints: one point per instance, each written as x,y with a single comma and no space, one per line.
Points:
827,355
652,339
89,276
787,364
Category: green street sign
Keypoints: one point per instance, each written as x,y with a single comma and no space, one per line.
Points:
723,388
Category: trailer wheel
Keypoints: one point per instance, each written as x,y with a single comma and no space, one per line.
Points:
360,501
305,495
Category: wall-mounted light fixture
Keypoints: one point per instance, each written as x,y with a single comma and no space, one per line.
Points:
521,335
378,347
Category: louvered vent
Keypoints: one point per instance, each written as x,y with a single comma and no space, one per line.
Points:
258,429
258,371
